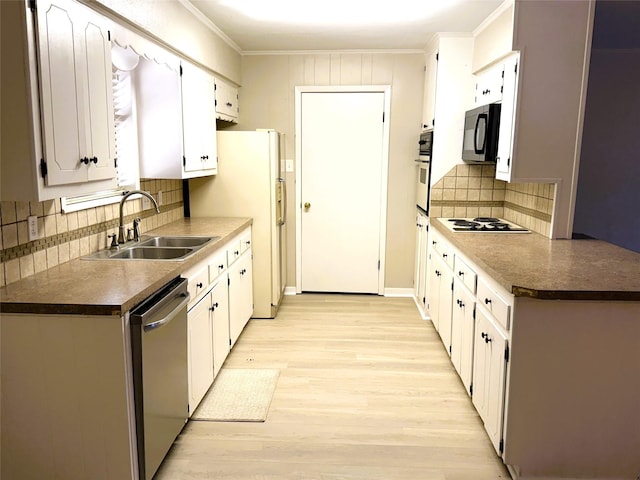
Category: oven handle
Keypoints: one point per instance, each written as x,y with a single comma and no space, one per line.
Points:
185,296
283,210
482,116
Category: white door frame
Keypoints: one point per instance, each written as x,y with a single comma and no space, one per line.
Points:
386,89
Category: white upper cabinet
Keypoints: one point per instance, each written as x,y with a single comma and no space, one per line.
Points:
59,110
453,94
489,85
199,122
430,76
176,120
507,112
76,97
226,101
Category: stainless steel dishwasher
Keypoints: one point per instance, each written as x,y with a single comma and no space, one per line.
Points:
159,349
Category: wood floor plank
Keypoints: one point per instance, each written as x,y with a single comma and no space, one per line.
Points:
366,391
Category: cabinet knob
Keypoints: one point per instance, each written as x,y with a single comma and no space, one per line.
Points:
94,160
487,301
433,242
460,273
84,160
486,337
444,255
229,104
199,285
307,205
236,253
214,306
460,303
221,267
438,273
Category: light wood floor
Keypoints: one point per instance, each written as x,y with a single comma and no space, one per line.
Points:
366,391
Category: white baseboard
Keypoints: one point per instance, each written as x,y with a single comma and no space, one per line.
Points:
290,291
398,292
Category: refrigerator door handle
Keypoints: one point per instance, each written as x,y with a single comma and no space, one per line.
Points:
283,210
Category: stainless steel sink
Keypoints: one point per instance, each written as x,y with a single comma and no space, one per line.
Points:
165,241
152,253
158,247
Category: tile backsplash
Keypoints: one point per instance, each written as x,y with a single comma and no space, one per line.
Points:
472,191
63,237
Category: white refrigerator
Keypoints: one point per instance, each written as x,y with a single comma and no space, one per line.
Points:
249,184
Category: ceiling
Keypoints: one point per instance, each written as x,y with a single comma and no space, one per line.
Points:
252,35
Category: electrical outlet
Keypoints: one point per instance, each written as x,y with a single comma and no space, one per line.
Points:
159,199
289,165
146,203
33,228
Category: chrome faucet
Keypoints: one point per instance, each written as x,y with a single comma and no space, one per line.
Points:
121,229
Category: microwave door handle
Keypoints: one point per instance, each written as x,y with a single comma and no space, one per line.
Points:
484,117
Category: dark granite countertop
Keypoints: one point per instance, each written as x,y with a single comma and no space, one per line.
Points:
112,287
531,265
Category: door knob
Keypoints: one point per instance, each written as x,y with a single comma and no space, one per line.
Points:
307,205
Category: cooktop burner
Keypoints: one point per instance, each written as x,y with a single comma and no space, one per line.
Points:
482,224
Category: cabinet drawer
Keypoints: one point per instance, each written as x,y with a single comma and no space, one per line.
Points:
245,240
217,264
234,249
444,250
198,278
465,274
492,301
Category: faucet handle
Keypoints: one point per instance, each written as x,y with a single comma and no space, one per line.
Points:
129,234
114,241
136,229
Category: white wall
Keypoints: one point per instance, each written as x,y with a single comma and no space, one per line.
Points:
267,101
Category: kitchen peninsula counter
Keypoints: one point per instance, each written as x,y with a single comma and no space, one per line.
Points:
531,265
112,287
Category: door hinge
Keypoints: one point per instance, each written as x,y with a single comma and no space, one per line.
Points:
184,161
43,168
449,349
452,286
501,446
437,56
378,264
506,353
180,70
502,89
229,342
215,103
32,5
115,162
228,281
474,313
433,122
424,300
508,161
382,117
471,389
109,35
515,69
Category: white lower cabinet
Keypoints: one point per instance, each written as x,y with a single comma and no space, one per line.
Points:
220,322
472,315
489,371
200,347
421,274
220,306
240,295
462,328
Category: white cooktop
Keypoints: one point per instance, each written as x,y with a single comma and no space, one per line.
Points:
482,225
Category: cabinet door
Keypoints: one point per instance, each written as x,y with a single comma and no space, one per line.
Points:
433,302
489,85
507,119
462,328
220,314
445,306
76,97
429,102
489,371
199,123
226,101
240,295
200,348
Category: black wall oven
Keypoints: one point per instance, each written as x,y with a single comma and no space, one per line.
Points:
480,139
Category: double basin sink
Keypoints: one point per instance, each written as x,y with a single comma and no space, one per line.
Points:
154,248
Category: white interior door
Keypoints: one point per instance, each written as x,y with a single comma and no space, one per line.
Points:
341,163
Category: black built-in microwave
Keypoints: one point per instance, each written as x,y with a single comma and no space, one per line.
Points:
480,138
425,145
